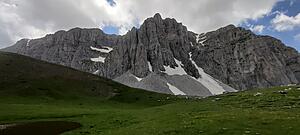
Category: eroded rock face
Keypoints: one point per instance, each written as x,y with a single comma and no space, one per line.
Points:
163,53
244,60
69,48
158,42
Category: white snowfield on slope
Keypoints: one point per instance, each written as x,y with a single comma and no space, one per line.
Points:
209,82
104,50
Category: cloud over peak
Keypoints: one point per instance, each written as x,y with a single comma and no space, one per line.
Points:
35,18
257,28
283,22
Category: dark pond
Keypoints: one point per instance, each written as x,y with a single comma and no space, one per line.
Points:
38,128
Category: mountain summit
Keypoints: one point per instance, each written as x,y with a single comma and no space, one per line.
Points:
163,56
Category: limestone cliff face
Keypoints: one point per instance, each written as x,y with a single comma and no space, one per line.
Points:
158,42
244,60
69,48
163,56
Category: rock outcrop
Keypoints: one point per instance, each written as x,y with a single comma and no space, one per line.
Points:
244,60
163,56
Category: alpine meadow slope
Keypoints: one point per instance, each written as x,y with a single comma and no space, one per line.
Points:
28,78
32,90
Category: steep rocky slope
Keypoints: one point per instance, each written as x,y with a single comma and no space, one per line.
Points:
244,60
163,56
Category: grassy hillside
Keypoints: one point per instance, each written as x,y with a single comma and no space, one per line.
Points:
32,90
24,77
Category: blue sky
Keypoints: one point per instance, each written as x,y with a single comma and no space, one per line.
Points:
110,29
111,2
290,8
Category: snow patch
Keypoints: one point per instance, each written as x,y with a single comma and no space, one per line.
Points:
104,50
209,82
99,59
191,44
150,67
28,41
175,90
96,72
139,79
177,71
202,42
201,38
197,38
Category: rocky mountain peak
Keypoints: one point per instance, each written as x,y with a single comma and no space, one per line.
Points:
158,43
229,34
238,56
163,56
157,16
228,27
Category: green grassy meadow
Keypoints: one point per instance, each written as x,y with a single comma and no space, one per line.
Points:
31,90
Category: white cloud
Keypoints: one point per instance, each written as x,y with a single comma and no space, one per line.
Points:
35,18
297,37
283,22
202,15
257,28
13,26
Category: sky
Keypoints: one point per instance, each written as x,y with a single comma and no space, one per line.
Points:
283,22
36,18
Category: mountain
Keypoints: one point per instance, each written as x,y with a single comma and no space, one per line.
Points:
26,79
163,56
36,91
244,60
